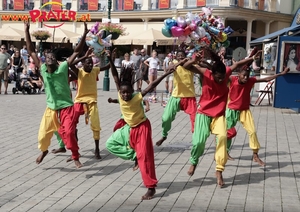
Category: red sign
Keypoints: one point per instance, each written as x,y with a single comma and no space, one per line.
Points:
241,3
128,4
261,4
93,5
164,4
56,6
201,3
18,4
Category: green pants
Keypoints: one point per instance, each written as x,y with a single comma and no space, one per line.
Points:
204,125
118,144
169,114
232,117
59,140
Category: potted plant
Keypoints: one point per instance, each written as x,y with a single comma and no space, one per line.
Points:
115,30
41,34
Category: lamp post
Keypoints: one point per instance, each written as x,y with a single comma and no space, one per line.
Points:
106,74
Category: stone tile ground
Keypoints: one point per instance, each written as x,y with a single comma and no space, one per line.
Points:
111,185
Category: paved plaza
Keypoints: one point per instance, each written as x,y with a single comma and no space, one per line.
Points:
111,185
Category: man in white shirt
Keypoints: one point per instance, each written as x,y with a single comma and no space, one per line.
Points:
25,56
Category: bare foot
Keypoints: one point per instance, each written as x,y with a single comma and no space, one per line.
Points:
71,159
59,150
229,157
136,165
220,181
41,157
158,143
191,171
258,160
77,164
149,194
97,154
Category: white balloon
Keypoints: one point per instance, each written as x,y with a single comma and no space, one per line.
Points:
188,40
201,32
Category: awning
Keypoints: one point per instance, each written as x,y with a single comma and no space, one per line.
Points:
270,37
150,36
11,34
61,36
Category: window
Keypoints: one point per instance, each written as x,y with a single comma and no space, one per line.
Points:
212,3
191,3
119,5
10,5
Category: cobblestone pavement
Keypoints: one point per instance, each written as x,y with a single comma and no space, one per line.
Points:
111,185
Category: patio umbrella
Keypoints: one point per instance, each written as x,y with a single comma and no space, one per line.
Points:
11,34
149,36
124,40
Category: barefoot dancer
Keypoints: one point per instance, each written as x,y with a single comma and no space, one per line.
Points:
59,113
183,98
210,115
238,107
134,139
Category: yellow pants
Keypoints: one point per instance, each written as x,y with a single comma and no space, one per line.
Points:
48,126
246,119
92,109
203,126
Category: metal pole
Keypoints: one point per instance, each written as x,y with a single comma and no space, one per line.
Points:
41,48
106,74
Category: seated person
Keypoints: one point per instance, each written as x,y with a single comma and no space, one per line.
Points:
25,80
36,80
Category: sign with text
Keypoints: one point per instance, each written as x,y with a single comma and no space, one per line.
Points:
201,3
164,4
93,5
128,4
18,4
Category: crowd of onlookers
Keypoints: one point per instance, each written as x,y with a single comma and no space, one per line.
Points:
17,66
146,68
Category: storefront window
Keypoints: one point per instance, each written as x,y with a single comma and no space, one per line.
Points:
173,4
83,5
154,4
18,5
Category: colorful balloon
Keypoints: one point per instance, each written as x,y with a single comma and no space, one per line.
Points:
188,40
166,32
187,30
226,43
169,23
194,36
213,30
201,32
193,26
181,22
182,38
228,30
177,31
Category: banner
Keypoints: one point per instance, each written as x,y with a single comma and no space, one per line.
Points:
164,4
241,3
56,6
92,5
201,3
261,5
18,4
128,4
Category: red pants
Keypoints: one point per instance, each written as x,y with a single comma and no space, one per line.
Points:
119,124
141,141
189,106
67,130
231,133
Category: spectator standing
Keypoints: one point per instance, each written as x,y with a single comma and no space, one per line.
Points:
153,63
4,67
11,50
144,69
25,56
136,58
169,78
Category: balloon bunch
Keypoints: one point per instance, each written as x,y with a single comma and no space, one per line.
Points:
94,40
203,29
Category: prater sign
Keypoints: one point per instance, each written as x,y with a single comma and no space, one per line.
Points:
60,15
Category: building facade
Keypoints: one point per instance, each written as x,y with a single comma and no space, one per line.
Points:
249,18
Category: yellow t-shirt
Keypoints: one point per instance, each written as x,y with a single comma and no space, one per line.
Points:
132,111
87,86
183,82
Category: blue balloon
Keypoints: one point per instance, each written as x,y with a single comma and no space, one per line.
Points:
208,36
166,32
169,23
228,30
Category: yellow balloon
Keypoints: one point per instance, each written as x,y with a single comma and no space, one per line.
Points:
224,37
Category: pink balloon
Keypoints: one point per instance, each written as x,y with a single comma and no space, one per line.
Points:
193,26
177,31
